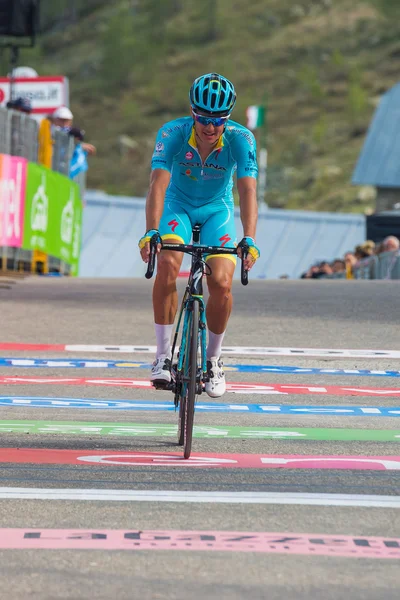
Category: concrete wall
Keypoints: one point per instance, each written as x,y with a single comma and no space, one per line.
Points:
290,241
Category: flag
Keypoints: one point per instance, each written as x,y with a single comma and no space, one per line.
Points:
255,117
78,161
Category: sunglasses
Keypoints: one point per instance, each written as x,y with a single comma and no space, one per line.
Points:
216,121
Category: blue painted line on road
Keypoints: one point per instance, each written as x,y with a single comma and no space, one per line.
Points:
271,409
113,364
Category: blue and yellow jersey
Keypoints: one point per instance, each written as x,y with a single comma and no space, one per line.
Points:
196,182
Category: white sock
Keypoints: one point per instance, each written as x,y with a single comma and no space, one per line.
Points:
214,344
163,336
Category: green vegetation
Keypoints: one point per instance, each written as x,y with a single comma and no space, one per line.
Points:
323,64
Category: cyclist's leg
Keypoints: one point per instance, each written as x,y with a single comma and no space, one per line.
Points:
219,305
175,228
218,230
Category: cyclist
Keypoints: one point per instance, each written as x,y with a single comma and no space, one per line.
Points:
191,182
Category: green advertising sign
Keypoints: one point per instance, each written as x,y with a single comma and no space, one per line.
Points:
53,215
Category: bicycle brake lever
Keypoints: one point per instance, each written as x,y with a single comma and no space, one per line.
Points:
244,274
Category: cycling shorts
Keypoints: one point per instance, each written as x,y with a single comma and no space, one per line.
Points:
217,222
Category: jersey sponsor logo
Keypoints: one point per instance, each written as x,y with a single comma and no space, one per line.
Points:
190,164
212,166
173,224
172,129
242,133
159,147
252,156
189,155
197,276
188,173
213,176
198,165
224,239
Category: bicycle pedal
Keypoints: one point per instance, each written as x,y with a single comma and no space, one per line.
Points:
162,385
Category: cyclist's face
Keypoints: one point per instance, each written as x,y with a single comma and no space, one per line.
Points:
208,134
63,122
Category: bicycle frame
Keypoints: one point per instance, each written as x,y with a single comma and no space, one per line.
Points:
193,293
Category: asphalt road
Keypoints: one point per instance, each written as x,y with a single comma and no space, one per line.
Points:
291,314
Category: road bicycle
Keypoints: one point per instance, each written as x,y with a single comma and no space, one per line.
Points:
189,372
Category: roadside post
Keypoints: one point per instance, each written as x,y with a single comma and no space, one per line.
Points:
257,121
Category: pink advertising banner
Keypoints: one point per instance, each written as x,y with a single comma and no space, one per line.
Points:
13,170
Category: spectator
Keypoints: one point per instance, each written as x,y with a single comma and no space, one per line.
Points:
350,261
338,266
364,250
390,244
21,105
350,258
356,263
62,117
319,270
310,273
324,269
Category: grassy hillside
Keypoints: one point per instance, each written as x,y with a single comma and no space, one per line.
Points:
321,65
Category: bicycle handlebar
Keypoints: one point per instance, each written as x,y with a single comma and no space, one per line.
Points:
188,249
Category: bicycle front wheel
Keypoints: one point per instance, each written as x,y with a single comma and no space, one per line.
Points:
191,374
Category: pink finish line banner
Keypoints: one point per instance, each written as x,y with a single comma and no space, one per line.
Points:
13,171
229,541
239,387
167,459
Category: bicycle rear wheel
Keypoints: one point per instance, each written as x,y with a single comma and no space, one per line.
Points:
191,375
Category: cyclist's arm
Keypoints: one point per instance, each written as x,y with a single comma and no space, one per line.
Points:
159,181
244,151
247,188
168,143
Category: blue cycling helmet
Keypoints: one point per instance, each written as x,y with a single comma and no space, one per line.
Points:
213,93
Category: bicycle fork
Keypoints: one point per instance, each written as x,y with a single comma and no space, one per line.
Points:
201,376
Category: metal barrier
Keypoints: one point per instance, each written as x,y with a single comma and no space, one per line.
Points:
367,268
24,136
341,275
19,137
80,179
19,134
389,265
63,148
5,131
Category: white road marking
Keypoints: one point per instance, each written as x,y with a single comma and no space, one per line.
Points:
245,350
9,493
